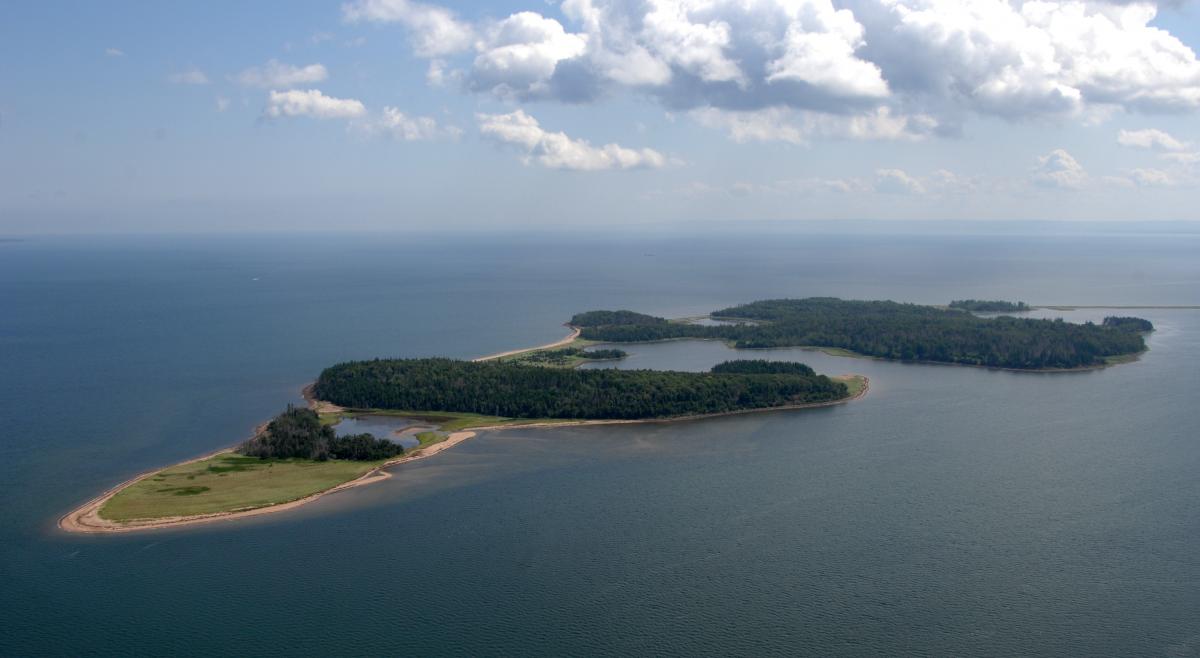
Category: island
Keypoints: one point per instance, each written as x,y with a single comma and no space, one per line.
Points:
891,330
298,456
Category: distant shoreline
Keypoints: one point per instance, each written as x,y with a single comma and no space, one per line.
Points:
1073,307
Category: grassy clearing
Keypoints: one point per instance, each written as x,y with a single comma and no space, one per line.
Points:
429,438
531,357
331,418
837,351
228,482
854,383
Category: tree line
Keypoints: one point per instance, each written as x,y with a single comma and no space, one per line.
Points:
1137,325
520,391
988,306
565,356
892,330
763,367
298,434
602,318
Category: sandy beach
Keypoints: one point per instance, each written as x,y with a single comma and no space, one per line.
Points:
86,518
548,346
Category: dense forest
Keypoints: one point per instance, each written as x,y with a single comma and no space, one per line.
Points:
568,356
298,434
1137,325
763,367
520,391
988,306
895,331
602,318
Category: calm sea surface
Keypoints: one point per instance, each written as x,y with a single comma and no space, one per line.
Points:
954,511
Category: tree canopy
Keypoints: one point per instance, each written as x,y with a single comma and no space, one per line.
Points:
895,331
988,306
601,318
298,434
1128,324
521,391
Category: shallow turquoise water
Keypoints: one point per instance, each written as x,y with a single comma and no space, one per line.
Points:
953,511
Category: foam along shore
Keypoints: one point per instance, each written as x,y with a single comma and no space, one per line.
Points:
88,519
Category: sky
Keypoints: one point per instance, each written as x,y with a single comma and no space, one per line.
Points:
400,115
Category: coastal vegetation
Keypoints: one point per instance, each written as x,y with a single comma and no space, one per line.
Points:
891,330
608,318
294,456
764,367
989,306
227,482
565,357
521,391
1137,325
298,433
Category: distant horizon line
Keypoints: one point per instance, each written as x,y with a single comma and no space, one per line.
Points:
699,227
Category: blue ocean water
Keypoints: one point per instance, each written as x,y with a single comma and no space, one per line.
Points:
954,511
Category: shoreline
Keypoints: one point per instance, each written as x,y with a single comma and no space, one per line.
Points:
1123,359
86,518
575,331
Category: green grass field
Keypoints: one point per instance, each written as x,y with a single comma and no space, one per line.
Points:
854,383
531,357
225,483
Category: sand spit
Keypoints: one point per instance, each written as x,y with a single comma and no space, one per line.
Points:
86,518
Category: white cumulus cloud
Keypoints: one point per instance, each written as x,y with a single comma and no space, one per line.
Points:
1150,138
396,124
276,75
897,181
521,53
785,124
1152,177
311,103
556,150
1059,169
435,30
881,69
1032,58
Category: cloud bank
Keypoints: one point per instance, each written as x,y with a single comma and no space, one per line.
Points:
866,69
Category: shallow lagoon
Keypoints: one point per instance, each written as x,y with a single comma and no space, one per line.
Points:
392,428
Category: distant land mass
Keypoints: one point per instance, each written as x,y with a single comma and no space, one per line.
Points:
891,330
